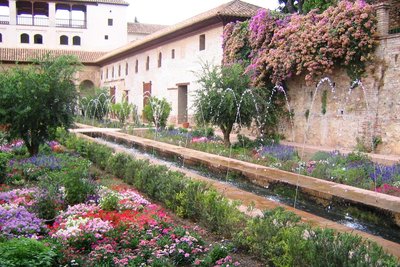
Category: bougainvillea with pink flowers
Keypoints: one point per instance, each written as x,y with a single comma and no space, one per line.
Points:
310,45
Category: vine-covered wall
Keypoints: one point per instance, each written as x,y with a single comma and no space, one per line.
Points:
341,43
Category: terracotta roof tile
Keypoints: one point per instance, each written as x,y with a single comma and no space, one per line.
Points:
27,54
134,27
236,8
114,2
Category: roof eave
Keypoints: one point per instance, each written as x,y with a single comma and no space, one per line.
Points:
219,18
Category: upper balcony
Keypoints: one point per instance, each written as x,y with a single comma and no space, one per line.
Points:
36,13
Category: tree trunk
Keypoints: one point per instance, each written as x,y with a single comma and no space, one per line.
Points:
290,6
300,6
33,148
226,131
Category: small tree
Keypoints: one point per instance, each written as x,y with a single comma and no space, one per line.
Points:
224,98
36,99
121,110
157,111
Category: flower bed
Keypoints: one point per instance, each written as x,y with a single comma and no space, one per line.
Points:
108,228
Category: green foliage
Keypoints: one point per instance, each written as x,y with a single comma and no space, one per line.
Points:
99,154
157,111
267,236
202,131
122,110
117,164
217,102
36,99
24,252
132,169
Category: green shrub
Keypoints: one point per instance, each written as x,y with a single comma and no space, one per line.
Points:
219,213
117,164
132,169
345,249
99,154
25,252
149,179
267,236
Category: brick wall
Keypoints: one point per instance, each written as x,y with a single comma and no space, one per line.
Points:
351,113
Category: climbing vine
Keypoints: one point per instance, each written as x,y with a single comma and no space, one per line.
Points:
278,47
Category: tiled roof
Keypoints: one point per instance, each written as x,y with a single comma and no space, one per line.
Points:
134,27
27,54
236,8
113,2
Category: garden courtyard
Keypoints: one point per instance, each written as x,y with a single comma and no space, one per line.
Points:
88,181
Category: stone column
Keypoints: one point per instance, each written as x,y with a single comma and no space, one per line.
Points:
13,12
382,15
52,14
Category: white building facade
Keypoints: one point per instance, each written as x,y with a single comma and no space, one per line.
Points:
164,64
86,25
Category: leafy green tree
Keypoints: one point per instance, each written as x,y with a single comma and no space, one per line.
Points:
157,111
224,98
38,98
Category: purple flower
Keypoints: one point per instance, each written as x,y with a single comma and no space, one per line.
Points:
277,151
17,221
42,161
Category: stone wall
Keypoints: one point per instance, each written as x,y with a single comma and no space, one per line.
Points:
352,115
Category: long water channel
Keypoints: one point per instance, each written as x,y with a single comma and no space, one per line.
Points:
333,212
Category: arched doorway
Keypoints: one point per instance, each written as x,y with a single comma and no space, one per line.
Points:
86,88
